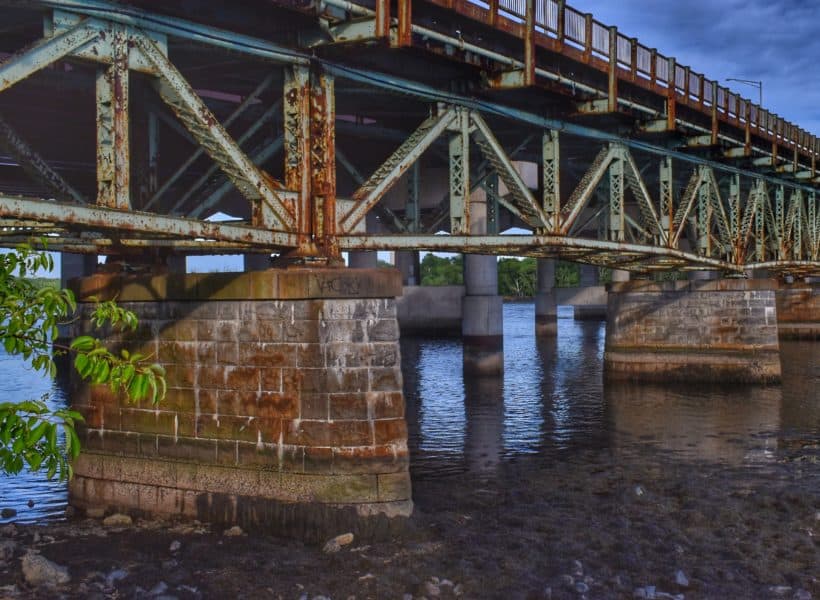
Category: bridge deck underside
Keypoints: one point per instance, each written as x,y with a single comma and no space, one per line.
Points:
620,192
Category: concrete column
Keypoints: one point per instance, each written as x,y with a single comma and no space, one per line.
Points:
407,262
798,310
76,265
284,411
177,263
619,276
482,324
589,275
589,310
724,330
362,259
546,307
704,275
256,262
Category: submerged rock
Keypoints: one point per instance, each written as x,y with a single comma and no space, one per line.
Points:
117,520
38,570
335,544
8,513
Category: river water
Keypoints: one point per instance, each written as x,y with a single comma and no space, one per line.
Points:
550,404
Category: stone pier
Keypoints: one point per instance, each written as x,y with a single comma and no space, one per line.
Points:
284,410
798,311
722,330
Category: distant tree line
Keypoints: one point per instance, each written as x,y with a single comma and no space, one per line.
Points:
516,277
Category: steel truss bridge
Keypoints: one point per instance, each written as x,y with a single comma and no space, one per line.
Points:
324,127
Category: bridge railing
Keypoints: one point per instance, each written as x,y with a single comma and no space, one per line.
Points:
562,28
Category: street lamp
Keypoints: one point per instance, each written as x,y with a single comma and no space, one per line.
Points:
753,83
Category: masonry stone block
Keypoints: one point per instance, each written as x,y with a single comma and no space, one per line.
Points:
284,408
715,330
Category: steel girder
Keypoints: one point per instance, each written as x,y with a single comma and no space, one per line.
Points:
706,226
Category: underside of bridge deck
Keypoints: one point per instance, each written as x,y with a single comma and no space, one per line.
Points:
294,131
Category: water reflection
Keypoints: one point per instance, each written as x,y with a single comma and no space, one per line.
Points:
47,498
732,425
553,402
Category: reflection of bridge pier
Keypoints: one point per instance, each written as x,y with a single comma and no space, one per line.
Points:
732,425
484,429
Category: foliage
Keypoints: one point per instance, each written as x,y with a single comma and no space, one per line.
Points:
29,318
439,270
517,277
567,274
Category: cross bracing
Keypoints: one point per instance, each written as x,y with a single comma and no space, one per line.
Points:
195,119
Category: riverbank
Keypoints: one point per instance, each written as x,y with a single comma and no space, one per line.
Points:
599,525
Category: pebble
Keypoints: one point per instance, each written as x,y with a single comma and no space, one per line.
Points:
8,513
578,567
7,549
234,531
645,593
30,503
175,546
431,589
568,580
117,520
639,491
38,570
681,579
458,590
95,512
780,590
802,595
581,587
407,597
115,576
158,589
8,530
335,544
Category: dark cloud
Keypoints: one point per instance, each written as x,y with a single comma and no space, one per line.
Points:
770,40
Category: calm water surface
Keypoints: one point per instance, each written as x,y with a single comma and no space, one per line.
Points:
550,404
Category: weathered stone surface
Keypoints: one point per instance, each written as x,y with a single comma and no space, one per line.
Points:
798,311
291,396
723,330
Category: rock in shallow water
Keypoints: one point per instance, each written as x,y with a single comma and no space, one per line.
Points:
335,544
117,520
38,570
8,513
681,579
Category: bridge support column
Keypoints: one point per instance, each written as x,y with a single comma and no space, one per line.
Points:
590,278
284,409
798,310
723,330
546,307
407,262
482,320
362,259
76,265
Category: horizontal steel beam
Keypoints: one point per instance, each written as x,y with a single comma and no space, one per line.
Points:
127,223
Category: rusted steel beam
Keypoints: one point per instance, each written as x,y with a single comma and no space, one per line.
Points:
404,32
251,99
35,165
322,113
44,53
382,18
269,208
132,222
394,167
113,125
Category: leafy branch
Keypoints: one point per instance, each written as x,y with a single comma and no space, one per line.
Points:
29,322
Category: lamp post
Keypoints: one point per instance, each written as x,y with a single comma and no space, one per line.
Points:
754,83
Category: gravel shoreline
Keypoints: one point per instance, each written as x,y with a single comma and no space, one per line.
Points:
595,526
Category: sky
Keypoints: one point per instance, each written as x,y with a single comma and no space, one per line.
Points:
774,41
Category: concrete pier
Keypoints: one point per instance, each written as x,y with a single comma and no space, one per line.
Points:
723,330
482,325
590,288
284,409
798,310
546,306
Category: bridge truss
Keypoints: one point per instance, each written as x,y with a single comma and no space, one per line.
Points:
325,139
